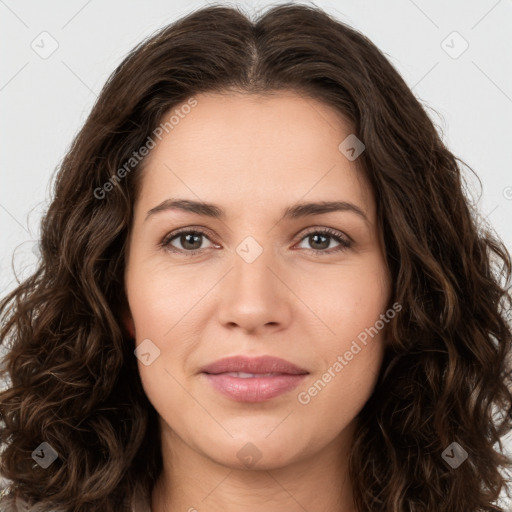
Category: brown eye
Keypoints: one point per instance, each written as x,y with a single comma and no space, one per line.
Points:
189,241
320,240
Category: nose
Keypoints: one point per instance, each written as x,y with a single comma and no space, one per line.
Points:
255,296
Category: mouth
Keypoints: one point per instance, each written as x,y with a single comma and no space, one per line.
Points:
244,379
254,366
244,375
249,387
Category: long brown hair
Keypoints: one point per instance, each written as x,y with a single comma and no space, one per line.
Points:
72,375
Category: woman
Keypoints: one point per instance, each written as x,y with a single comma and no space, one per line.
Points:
262,288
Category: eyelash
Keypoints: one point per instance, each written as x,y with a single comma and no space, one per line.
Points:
345,244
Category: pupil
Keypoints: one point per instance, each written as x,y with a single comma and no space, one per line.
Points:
196,236
325,244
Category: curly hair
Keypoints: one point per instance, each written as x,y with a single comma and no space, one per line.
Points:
72,378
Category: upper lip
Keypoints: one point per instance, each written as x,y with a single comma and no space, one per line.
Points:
262,364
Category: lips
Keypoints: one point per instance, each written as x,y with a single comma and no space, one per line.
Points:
255,366
245,379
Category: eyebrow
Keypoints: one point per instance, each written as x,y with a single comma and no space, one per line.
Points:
297,211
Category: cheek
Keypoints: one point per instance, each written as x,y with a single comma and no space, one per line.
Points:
339,390
353,349
350,302
158,298
340,400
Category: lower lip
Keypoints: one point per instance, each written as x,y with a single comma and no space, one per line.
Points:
253,389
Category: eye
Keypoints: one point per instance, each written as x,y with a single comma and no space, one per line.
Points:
321,238
191,240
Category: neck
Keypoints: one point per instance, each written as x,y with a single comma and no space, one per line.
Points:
192,482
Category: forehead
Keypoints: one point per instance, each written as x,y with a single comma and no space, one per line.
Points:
254,151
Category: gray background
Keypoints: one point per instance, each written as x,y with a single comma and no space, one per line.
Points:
45,98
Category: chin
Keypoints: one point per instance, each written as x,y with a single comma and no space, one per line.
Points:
252,450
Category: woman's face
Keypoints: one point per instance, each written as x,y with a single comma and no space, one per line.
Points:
258,282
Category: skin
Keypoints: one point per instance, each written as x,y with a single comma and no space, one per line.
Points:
253,156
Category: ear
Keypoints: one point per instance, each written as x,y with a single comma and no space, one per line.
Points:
128,323
127,319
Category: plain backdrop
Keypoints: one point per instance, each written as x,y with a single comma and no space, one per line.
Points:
56,55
